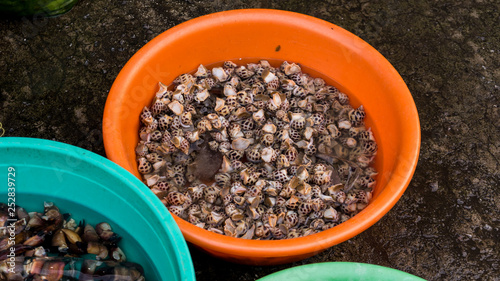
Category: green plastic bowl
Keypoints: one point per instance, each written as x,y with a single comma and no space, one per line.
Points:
341,271
49,8
93,188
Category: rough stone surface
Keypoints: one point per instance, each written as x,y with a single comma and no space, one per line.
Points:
56,74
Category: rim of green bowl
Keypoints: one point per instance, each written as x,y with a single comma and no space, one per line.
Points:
341,271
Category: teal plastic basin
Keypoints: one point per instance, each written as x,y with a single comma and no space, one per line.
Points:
341,271
93,188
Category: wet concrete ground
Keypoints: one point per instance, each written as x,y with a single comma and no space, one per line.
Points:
55,75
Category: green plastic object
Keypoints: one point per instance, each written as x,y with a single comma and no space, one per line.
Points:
93,188
49,8
340,271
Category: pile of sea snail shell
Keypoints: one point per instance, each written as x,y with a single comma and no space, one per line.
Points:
291,156
51,246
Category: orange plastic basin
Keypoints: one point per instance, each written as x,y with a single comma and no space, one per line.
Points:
328,51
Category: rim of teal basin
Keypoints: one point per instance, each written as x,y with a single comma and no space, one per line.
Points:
341,271
182,254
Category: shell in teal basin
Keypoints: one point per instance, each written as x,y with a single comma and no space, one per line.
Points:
340,271
93,188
